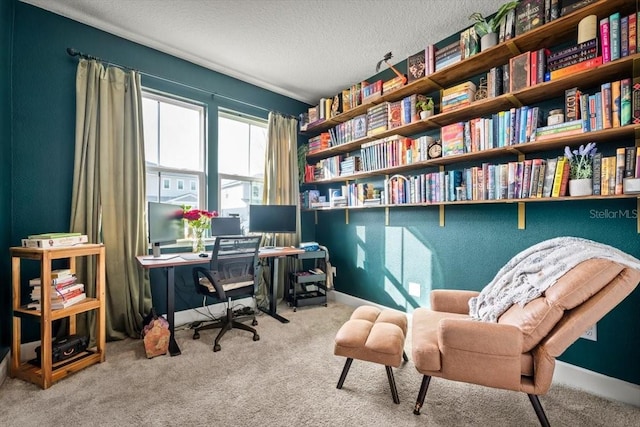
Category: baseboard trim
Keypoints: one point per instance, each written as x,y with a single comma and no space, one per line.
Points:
565,373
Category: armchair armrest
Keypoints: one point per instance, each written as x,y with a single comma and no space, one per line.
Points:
451,300
480,337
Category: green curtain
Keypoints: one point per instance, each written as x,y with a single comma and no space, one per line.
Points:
281,182
108,201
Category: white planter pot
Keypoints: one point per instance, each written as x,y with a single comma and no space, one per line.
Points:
580,187
488,40
426,113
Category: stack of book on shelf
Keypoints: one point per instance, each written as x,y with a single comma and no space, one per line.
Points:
308,197
336,198
448,55
54,240
610,172
350,165
458,96
377,118
573,55
371,91
319,142
65,291
326,168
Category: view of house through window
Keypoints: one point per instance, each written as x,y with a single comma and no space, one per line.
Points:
174,143
242,143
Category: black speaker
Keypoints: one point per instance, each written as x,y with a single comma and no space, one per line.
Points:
65,347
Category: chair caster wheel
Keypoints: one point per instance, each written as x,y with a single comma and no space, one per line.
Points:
294,309
256,337
217,347
196,335
254,322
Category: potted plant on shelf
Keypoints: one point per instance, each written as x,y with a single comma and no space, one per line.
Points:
487,29
581,169
425,106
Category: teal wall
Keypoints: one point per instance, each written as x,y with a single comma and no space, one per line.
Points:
44,120
377,262
6,30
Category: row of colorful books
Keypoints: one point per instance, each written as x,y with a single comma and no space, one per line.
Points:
531,178
65,290
619,36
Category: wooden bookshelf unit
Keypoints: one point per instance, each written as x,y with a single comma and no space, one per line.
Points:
49,373
558,31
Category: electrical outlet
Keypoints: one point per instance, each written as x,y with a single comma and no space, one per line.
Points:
590,334
334,271
414,289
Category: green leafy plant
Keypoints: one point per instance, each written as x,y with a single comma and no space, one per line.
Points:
484,26
425,104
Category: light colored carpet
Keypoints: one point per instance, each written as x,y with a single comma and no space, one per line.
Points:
288,378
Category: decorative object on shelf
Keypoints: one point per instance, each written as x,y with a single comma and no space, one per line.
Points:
487,30
426,107
398,81
581,169
198,221
481,92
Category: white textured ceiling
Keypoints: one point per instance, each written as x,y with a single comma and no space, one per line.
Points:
304,49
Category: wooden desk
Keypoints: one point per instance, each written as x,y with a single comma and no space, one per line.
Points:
170,265
188,258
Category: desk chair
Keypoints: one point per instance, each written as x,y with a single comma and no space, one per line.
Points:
231,275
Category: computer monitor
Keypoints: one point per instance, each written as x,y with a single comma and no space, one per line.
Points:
273,218
165,225
225,226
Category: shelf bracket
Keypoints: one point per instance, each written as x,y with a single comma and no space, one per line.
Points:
638,214
513,48
521,215
441,209
386,216
513,100
346,216
315,217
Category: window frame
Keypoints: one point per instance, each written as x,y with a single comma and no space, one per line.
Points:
251,120
200,175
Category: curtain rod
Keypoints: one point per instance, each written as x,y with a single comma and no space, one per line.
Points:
74,52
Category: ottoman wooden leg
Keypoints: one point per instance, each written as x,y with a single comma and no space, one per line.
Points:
392,384
345,370
404,356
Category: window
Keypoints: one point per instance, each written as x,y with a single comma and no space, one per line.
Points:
174,143
242,143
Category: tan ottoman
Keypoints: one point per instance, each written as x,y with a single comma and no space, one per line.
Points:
373,335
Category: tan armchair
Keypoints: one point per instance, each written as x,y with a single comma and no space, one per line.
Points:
518,352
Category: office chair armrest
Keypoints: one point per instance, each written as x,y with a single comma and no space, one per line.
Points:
212,276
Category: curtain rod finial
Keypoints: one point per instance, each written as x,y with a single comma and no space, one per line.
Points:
71,51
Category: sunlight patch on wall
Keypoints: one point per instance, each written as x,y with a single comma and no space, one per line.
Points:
362,240
409,267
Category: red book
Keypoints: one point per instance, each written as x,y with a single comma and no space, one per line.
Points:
572,69
605,40
534,68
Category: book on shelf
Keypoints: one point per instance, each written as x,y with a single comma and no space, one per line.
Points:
56,305
633,31
53,235
58,281
596,167
55,242
520,71
416,66
614,35
529,15
572,69
635,100
605,40
570,6
59,292
549,175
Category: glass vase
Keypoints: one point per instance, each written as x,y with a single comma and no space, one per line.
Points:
198,240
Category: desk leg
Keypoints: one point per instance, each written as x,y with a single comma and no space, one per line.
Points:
273,300
174,350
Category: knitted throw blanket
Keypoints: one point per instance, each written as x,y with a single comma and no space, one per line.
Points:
527,275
